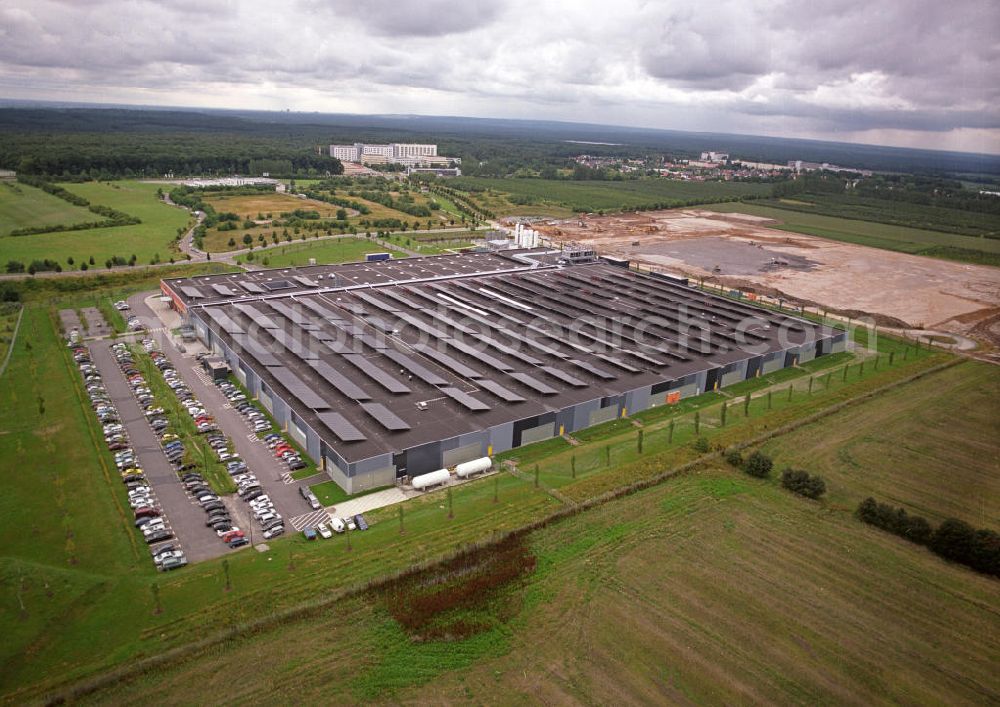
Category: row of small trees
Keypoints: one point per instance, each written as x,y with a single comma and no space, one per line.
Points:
760,465
953,540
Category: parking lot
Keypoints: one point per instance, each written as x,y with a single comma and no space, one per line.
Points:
270,472
186,519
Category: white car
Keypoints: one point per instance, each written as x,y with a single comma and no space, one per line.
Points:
324,531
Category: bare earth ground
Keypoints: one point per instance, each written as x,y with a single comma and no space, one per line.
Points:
742,251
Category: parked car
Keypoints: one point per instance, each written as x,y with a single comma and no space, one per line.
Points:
324,531
310,498
309,533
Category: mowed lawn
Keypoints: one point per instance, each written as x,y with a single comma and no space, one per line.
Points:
22,206
145,240
711,588
331,250
877,235
933,449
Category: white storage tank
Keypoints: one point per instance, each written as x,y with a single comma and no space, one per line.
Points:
425,481
476,466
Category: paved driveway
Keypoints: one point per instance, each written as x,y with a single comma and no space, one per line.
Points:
185,517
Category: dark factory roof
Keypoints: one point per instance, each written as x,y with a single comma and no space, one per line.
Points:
386,356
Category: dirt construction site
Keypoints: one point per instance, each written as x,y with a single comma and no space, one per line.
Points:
741,251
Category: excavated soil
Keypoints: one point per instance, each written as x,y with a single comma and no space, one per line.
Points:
740,250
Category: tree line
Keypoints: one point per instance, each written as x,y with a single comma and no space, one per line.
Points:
955,540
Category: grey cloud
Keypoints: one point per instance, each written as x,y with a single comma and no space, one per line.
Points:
428,18
826,66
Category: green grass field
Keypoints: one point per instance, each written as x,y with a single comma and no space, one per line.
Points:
334,250
70,559
711,587
897,449
152,237
609,196
22,206
877,235
933,218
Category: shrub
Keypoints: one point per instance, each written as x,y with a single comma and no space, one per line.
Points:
957,541
701,445
895,520
800,482
734,457
759,465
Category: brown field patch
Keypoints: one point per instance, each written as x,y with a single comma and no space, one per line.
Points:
741,250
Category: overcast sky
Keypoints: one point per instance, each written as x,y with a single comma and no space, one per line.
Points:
919,73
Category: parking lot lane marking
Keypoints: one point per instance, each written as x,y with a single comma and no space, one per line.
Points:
310,519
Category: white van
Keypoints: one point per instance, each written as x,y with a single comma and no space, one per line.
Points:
338,525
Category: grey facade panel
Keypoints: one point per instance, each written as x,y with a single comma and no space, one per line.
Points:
807,352
464,453
502,437
773,362
537,434
734,373
637,400
602,415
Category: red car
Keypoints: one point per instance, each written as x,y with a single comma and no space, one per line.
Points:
232,535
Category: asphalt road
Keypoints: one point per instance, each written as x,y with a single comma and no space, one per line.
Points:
185,517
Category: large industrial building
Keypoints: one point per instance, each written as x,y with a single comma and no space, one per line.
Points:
385,370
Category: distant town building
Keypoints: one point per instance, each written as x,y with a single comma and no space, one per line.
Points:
231,182
407,154
800,166
714,156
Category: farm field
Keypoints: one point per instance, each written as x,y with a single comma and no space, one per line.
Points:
903,239
609,196
154,236
23,206
332,250
838,612
250,206
934,218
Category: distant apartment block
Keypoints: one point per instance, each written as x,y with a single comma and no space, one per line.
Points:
801,166
407,154
714,156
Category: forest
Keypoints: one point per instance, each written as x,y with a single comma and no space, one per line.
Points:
103,143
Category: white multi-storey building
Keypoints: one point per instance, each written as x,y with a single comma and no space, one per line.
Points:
400,149
410,154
